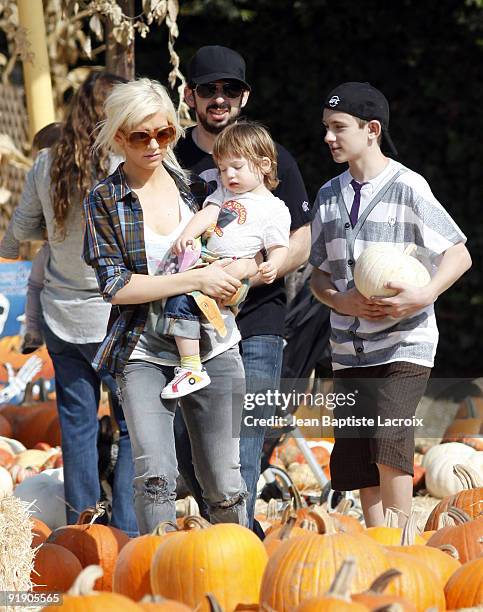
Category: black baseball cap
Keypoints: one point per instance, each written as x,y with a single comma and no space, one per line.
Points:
213,62
364,101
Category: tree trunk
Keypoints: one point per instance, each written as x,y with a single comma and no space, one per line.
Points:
119,59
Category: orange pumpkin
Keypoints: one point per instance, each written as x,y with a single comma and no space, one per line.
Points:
40,531
466,536
55,569
417,583
304,566
155,602
337,599
5,427
82,598
224,559
133,566
375,597
30,422
444,564
470,500
289,529
92,544
465,587
390,534
467,426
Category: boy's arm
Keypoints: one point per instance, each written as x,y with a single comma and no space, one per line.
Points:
350,302
202,221
455,262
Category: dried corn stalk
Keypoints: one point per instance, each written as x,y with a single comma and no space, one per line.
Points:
76,31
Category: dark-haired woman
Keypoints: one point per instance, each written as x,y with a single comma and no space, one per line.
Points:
75,315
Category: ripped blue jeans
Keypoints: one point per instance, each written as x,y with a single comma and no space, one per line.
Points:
213,421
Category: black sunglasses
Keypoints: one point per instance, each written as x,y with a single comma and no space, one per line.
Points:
227,90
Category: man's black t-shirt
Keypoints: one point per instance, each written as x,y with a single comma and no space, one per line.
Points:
263,312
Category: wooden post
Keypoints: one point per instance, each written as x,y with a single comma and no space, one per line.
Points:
38,84
119,59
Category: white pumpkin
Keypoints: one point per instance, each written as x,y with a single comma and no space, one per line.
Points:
6,482
439,476
381,263
14,445
457,451
47,491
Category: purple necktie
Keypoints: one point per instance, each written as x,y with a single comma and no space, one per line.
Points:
356,202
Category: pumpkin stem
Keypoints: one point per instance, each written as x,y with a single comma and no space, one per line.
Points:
408,535
341,585
287,526
391,518
195,522
409,249
92,513
458,515
326,524
469,478
471,411
343,506
310,524
380,583
445,520
451,550
393,607
214,605
162,528
84,583
272,510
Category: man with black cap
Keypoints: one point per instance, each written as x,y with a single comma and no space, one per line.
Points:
217,91
390,341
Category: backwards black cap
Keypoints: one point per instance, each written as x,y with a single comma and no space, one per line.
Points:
213,63
364,101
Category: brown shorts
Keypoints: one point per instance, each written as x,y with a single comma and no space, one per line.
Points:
383,393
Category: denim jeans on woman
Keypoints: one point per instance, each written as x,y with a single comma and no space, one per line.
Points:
77,387
262,360
212,417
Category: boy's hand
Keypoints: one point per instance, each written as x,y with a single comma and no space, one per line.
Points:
355,304
406,302
267,272
182,243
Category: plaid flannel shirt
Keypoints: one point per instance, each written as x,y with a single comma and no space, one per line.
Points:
114,247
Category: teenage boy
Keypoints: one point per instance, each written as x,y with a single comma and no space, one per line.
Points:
392,340
217,91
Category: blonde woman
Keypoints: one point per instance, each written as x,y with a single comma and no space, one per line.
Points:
133,218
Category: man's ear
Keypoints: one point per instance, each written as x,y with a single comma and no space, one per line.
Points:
374,129
244,98
189,96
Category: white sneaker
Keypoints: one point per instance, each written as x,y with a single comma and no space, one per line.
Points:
185,381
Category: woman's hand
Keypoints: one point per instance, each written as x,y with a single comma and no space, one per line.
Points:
217,283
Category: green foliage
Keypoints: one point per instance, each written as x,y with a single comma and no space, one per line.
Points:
426,56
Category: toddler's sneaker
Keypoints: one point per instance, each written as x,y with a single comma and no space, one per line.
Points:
31,342
185,381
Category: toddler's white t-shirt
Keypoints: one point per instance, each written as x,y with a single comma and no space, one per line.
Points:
247,223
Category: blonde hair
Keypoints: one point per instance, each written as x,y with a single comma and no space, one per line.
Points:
128,105
251,141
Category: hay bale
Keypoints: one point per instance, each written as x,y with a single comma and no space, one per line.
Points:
16,555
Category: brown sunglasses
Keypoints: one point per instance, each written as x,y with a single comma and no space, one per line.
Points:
163,136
